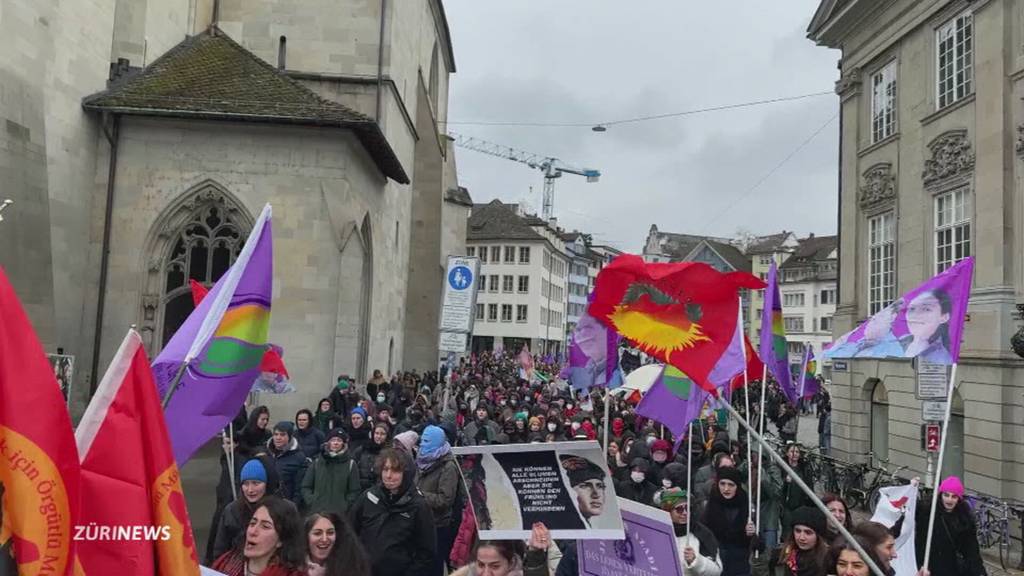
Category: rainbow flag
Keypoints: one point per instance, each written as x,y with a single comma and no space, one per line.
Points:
222,342
674,400
809,385
773,335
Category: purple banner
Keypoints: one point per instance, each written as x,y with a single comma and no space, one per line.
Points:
649,548
926,322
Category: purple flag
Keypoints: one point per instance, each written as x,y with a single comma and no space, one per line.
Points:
926,322
773,335
593,354
809,374
223,342
674,400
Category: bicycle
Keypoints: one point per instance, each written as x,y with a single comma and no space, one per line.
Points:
992,521
866,495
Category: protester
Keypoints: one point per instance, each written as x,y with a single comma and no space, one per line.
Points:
698,547
637,487
289,461
880,544
332,483
358,429
660,453
510,557
367,455
954,550
805,552
309,436
332,549
707,477
394,521
727,515
848,561
438,479
258,481
793,497
326,419
255,435
482,430
273,544
840,511
406,442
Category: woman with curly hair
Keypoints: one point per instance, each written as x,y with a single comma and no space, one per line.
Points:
272,545
332,548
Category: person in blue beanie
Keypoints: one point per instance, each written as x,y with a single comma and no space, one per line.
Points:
359,429
258,480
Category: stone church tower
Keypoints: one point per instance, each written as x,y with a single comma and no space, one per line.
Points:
141,138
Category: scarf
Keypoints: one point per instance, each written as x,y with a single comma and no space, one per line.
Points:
424,461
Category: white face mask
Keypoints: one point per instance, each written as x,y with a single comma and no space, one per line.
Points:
650,440
552,426
637,477
380,398
666,482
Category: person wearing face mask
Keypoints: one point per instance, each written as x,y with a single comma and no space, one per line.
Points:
955,550
661,451
805,552
727,516
332,483
367,455
638,487
376,385
698,548
673,476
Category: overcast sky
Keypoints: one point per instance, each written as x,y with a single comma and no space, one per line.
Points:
592,61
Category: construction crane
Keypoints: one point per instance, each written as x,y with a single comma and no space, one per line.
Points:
552,168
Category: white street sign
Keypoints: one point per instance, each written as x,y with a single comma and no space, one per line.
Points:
933,410
459,294
932,380
453,342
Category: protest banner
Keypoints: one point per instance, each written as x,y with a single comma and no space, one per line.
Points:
649,547
895,504
565,485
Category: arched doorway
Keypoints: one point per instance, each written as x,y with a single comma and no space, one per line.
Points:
355,291
879,421
953,461
196,238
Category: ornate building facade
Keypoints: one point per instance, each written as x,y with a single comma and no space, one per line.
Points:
931,172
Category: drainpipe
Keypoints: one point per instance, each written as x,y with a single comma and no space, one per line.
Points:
112,133
380,59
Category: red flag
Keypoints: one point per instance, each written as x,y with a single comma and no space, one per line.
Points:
130,481
39,472
682,313
198,292
755,368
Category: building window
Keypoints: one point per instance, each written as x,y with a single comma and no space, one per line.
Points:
545,288
955,59
483,254
826,324
494,282
952,228
880,421
828,296
524,284
524,254
881,262
793,299
547,260
480,311
765,259
883,103
544,313
506,283
471,251
483,283
506,312
794,324
795,349
495,254
520,312
510,254
492,312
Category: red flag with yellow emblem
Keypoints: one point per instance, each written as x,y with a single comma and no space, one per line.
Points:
132,500
682,313
39,471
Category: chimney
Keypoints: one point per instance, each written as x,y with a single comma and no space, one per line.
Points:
553,222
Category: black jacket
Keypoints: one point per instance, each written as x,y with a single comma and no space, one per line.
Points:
397,530
310,440
366,459
642,492
954,534
291,469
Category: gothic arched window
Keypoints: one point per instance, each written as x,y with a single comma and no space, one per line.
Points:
197,238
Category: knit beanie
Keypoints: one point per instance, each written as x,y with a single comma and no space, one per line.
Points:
953,485
641,464
731,474
254,470
359,410
811,518
407,440
661,445
338,433
670,497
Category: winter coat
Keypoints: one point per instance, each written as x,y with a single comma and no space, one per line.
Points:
233,522
233,564
792,497
359,437
771,497
534,564
727,520
642,492
327,421
954,534
439,483
464,538
310,441
366,459
707,561
480,433
291,468
570,562
331,484
397,530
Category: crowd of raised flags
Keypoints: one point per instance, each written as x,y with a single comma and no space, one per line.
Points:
121,467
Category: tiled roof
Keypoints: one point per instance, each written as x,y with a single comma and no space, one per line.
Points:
459,196
812,249
210,76
498,221
731,254
767,244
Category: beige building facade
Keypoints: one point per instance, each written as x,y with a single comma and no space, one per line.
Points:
931,171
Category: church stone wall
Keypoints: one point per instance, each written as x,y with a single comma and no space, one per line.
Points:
320,182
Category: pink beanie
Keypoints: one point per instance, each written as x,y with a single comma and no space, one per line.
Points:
953,485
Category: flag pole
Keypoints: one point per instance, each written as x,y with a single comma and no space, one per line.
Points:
746,396
175,383
760,452
938,467
803,486
607,412
689,474
231,458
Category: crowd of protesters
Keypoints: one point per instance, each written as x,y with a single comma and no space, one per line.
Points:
371,469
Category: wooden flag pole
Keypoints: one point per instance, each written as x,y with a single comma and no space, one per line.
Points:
803,486
689,475
760,452
938,468
746,399
607,412
231,458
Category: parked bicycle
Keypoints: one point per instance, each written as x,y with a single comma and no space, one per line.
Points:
992,519
865,490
